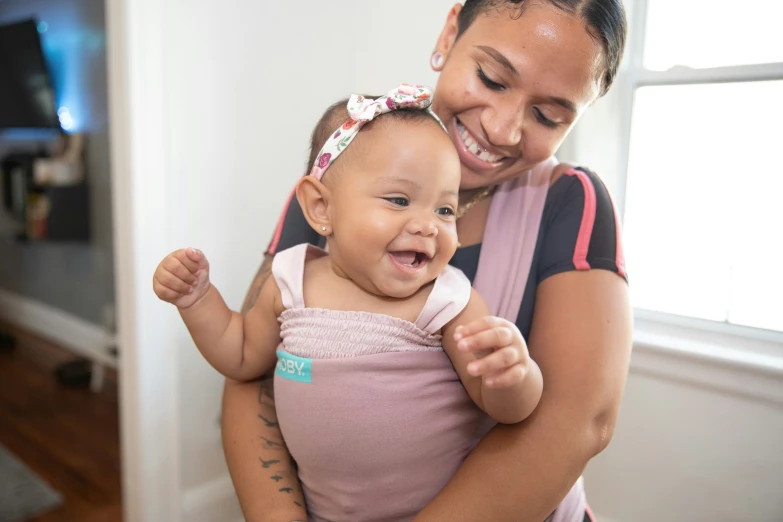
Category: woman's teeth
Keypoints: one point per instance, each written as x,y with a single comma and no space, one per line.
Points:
474,147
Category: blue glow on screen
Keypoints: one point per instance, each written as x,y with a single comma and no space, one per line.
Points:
68,52
71,48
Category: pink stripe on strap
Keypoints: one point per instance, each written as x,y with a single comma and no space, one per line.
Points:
588,220
272,250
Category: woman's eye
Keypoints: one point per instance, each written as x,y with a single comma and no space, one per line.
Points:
490,84
445,211
400,202
543,119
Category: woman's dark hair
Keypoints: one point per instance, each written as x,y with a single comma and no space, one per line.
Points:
605,20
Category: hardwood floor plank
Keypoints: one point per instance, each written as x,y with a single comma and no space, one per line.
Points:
69,437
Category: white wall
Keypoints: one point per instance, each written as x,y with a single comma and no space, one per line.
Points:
212,106
684,452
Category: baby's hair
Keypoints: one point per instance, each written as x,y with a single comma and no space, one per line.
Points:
337,114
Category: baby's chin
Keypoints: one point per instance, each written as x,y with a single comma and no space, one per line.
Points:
400,290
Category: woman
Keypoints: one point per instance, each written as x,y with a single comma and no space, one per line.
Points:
515,77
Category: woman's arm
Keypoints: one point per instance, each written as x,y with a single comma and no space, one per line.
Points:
262,470
581,339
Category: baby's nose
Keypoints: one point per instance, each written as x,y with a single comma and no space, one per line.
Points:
425,227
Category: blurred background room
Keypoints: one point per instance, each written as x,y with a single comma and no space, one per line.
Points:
130,128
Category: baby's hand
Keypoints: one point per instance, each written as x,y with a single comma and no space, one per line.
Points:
182,278
503,359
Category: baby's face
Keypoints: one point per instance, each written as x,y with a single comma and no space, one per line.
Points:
393,220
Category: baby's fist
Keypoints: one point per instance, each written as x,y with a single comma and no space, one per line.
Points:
182,278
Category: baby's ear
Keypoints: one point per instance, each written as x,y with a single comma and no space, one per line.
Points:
314,198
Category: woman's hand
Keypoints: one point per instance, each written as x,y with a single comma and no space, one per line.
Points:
503,358
182,278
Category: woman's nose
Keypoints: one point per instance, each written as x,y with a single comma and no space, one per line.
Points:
503,126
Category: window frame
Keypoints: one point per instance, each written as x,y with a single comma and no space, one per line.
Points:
633,76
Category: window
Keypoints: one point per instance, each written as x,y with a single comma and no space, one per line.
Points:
703,211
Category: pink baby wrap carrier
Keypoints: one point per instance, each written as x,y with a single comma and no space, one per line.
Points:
369,405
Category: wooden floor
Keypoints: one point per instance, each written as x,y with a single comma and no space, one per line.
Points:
69,437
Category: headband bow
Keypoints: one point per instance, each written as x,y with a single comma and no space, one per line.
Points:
363,110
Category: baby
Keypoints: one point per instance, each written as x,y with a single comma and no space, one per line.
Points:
366,339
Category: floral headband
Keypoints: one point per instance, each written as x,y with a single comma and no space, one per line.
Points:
363,110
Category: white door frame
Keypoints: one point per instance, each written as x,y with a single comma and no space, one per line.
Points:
149,412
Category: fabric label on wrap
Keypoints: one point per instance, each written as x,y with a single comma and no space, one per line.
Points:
294,368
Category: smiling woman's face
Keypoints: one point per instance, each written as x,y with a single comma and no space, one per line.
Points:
513,86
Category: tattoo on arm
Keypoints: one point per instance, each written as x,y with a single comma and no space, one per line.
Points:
269,423
274,455
258,283
272,443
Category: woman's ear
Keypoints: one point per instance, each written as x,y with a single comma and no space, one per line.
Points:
314,198
448,36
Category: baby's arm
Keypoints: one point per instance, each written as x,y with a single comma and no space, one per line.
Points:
492,360
239,347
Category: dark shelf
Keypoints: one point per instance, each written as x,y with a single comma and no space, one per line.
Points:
66,207
69,214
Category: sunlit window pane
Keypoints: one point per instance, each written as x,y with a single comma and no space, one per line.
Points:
706,33
704,207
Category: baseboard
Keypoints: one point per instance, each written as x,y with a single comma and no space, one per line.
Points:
74,333
212,501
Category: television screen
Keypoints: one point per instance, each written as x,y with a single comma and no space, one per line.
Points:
26,93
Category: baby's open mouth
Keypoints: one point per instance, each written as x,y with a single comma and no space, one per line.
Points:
410,258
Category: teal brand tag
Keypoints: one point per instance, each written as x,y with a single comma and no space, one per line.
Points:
294,368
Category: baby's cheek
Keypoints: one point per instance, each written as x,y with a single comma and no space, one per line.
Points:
448,237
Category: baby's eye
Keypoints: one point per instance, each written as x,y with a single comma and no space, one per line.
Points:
445,211
399,201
